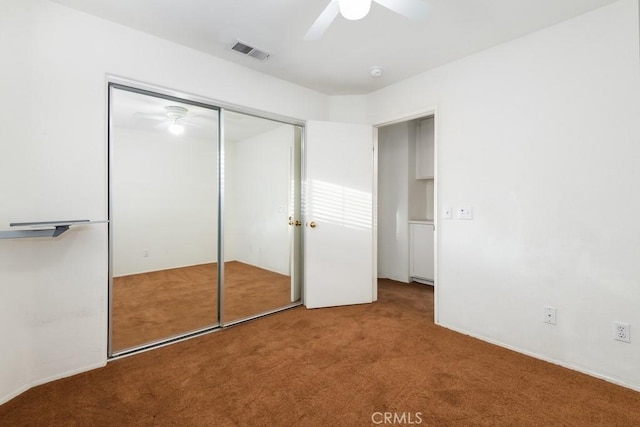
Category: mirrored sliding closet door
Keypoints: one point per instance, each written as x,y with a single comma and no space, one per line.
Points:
262,218
186,191
163,217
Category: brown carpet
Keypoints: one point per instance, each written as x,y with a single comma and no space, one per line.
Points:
330,367
152,306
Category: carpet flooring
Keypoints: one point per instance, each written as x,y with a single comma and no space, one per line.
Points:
343,366
148,307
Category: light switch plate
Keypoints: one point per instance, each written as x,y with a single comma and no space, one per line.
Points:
550,314
465,213
446,212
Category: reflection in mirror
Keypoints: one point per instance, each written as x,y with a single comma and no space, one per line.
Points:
261,216
163,218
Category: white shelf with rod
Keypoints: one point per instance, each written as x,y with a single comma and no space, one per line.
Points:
43,228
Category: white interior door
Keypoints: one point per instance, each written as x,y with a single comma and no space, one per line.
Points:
339,235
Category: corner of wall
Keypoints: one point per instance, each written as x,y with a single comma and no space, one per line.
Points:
348,108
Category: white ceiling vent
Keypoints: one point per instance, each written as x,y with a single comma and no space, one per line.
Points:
251,51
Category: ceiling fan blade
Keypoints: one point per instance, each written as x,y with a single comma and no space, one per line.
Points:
412,9
324,20
151,116
196,125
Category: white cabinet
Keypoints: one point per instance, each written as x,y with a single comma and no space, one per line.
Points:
425,149
421,251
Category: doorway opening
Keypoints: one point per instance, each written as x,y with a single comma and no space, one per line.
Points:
406,200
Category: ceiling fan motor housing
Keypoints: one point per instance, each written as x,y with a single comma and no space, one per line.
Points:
175,111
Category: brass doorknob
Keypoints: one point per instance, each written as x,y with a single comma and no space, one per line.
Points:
312,224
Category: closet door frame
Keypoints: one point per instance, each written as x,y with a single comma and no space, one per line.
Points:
117,82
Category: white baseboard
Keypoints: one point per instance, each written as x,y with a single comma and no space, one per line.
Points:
8,397
547,359
15,393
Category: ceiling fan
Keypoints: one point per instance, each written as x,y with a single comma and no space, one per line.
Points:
358,9
175,118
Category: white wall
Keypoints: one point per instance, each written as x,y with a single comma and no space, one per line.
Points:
165,200
348,108
417,188
257,205
541,137
53,293
393,202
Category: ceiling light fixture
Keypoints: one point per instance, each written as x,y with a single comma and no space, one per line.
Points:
358,9
175,113
354,9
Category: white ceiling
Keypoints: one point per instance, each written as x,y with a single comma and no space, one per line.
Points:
338,63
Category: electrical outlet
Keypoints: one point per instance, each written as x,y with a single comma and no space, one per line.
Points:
550,315
465,213
621,331
146,253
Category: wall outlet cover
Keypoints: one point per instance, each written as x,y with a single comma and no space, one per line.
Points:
550,315
622,331
465,213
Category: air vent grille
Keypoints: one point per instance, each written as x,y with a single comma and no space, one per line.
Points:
251,51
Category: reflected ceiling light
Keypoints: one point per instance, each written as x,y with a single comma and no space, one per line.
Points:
175,113
354,9
176,128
